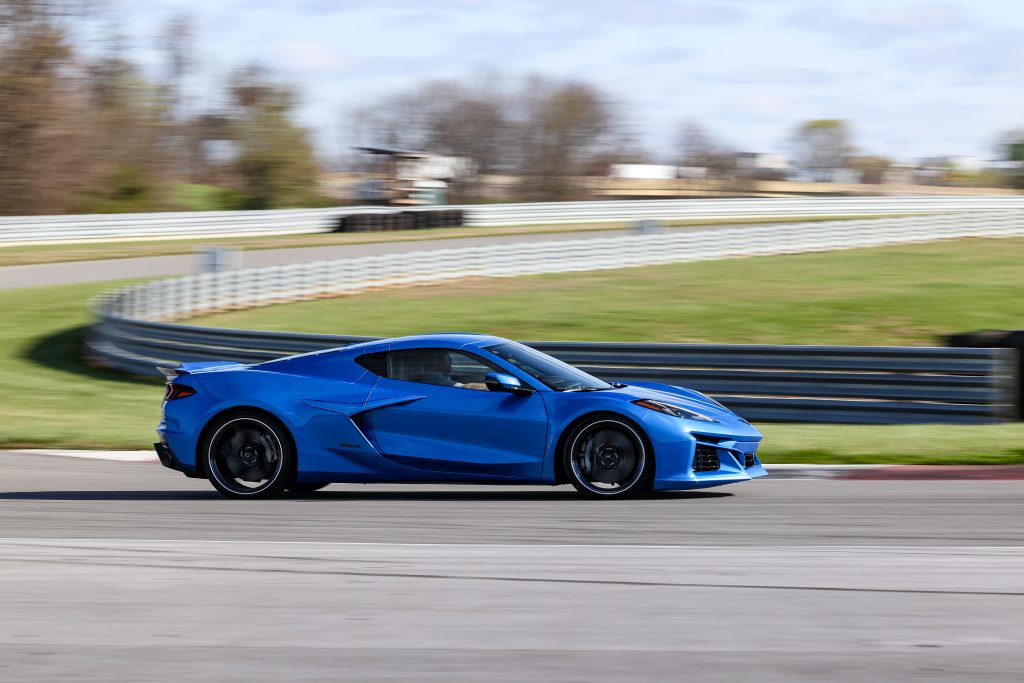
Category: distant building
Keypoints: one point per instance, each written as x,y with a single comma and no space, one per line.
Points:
763,166
655,172
948,170
643,172
899,174
409,178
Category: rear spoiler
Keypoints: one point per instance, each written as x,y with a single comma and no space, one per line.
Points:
189,368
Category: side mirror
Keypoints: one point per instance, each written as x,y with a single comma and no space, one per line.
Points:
499,381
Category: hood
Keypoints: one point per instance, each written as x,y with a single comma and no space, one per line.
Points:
686,398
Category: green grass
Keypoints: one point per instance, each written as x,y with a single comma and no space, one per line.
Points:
907,295
198,197
47,397
61,253
908,444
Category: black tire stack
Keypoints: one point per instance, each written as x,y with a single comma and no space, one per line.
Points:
418,219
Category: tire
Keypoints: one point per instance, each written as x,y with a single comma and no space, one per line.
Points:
607,456
406,221
248,455
304,488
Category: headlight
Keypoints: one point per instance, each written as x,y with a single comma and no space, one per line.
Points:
672,409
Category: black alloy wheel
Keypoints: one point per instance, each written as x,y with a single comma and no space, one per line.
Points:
606,457
248,456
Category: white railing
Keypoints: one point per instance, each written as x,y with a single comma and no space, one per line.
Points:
726,209
31,230
195,294
16,231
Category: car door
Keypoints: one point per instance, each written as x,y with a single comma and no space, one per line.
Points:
436,414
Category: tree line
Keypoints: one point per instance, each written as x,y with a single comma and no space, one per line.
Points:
85,130
89,130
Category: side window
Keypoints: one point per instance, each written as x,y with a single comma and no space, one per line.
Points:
441,367
377,363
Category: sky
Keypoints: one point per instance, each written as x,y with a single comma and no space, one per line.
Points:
915,78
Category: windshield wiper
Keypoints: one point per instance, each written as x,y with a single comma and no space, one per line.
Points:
587,389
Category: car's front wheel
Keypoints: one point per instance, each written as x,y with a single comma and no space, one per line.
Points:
607,457
248,455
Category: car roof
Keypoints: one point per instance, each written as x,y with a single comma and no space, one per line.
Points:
446,340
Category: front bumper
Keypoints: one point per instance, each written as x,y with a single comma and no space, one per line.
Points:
737,461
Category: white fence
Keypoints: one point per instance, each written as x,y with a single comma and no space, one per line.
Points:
725,209
15,231
194,294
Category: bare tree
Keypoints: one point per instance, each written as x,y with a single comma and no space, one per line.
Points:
181,145
447,117
35,108
466,122
83,130
697,148
822,147
562,128
546,131
177,41
872,169
694,145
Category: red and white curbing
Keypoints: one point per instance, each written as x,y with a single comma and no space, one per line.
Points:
775,471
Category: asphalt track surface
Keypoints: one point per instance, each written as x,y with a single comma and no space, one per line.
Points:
115,571
78,272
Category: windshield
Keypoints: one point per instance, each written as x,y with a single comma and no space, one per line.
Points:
552,372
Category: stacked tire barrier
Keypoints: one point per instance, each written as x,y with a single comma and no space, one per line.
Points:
1012,341
420,219
785,383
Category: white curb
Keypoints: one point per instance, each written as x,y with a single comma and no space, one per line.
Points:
810,471
119,456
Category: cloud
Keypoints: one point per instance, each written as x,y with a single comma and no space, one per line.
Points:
992,57
307,56
648,12
873,24
763,74
934,74
662,55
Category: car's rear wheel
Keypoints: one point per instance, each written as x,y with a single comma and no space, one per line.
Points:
607,457
248,455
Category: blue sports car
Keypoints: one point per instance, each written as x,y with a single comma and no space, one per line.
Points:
443,408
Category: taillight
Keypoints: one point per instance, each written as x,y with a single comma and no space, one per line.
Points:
176,391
